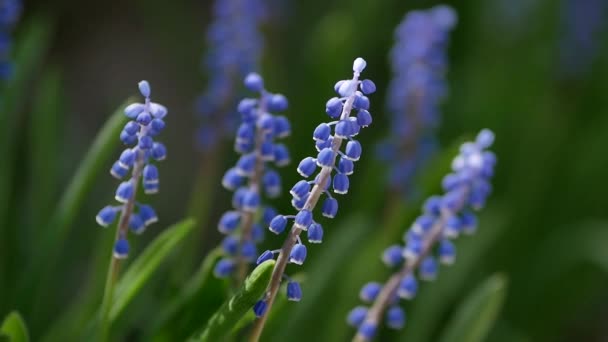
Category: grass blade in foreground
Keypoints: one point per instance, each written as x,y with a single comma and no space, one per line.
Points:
146,263
14,328
231,312
476,316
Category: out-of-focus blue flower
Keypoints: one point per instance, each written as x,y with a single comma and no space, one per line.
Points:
137,159
252,177
234,49
583,21
10,11
419,64
332,158
444,218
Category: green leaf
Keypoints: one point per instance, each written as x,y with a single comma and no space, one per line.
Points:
14,328
236,307
473,320
43,142
146,263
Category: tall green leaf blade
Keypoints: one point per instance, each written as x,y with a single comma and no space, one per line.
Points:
229,315
472,321
43,141
146,263
14,328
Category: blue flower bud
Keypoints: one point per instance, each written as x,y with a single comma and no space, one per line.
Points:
249,251
127,139
260,308
361,101
265,122
453,201
307,167
257,232
341,184
246,165
432,206
224,268
347,88
315,233
121,248
299,204
337,85
364,118
333,107
267,255
368,87
395,317
118,171
343,129
346,166
359,64
485,138
325,158
469,222
447,252
145,142
147,214
150,174
144,88
232,179
247,107
393,256
132,110
423,224
294,291
150,188
229,222
303,219
281,155
107,215
272,183
370,291
157,110
124,192
408,287
320,145
298,254
282,127
356,316
230,245
127,158
159,151
300,189
368,330
131,128
251,201
330,207
322,132
254,82
278,224
144,118
136,224
353,150
428,268
277,103
412,249
245,133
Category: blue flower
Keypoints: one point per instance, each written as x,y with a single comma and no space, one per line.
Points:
334,161
10,12
466,189
419,64
138,134
235,45
252,178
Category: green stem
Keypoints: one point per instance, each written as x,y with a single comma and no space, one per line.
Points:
108,295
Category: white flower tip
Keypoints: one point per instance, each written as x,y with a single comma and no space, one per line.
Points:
359,65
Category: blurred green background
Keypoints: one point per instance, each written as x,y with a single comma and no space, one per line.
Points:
544,232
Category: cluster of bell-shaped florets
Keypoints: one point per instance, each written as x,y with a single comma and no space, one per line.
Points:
253,177
136,161
234,47
429,240
332,158
419,63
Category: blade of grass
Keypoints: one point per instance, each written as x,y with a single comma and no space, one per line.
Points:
222,322
476,315
13,327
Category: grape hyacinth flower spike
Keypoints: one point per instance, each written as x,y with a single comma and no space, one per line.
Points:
429,240
10,11
336,155
235,45
135,165
419,63
252,177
